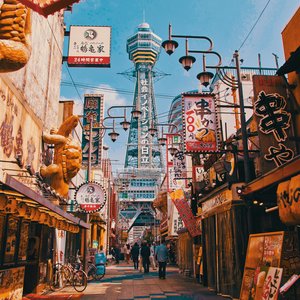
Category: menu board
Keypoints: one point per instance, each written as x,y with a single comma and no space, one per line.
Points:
264,250
11,283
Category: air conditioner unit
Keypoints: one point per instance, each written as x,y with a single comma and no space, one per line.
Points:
246,77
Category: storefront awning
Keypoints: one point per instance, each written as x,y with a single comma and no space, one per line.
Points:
17,191
277,175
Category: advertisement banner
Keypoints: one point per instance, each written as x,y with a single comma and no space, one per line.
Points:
89,46
60,236
200,122
185,212
176,164
272,112
90,197
93,109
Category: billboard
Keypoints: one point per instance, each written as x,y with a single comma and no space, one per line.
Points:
89,46
200,122
93,108
90,197
273,115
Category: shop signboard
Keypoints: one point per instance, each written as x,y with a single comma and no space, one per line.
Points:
200,122
272,112
11,283
89,46
15,140
93,109
90,197
270,257
288,194
176,164
185,212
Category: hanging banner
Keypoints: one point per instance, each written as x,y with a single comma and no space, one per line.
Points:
272,112
176,164
60,236
90,197
93,109
89,46
185,212
200,122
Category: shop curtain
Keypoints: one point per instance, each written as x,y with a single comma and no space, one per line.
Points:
232,236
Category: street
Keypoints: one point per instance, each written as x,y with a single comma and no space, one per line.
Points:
123,282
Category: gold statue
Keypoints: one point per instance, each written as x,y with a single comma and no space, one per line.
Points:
67,156
15,28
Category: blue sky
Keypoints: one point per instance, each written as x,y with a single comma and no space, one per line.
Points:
227,23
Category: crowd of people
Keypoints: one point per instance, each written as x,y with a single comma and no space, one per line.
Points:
143,256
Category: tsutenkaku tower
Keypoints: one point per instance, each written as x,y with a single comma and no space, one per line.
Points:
143,150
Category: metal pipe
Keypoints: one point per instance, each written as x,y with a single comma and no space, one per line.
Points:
243,120
268,210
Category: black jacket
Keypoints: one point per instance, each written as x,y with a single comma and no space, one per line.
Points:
135,252
145,251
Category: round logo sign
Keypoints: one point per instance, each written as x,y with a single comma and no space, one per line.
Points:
90,34
90,197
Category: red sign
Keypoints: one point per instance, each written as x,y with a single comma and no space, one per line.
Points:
200,122
90,197
185,213
47,7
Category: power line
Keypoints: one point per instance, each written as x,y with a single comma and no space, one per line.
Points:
254,25
62,56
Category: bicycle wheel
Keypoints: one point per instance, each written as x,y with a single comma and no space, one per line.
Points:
95,275
79,281
58,281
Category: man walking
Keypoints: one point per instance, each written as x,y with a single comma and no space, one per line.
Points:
161,253
135,251
145,253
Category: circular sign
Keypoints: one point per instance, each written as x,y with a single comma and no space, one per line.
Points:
90,34
90,197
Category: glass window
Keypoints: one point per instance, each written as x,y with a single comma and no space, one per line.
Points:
11,240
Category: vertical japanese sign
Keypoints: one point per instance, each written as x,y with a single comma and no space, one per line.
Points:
274,120
176,164
93,109
200,122
185,212
145,120
89,46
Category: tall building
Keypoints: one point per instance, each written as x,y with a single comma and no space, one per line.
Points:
143,163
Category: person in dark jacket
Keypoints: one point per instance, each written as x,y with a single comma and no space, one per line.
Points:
145,253
117,254
135,251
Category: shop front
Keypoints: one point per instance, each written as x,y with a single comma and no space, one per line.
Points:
224,240
30,229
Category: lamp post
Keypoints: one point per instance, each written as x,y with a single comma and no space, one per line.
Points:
204,77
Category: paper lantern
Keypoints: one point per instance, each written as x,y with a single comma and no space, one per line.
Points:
47,7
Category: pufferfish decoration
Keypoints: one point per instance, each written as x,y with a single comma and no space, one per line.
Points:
15,29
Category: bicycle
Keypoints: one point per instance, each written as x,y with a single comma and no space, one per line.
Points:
71,273
93,272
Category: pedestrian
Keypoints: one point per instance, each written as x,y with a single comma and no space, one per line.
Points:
145,253
117,254
135,250
127,253
152,256
161,253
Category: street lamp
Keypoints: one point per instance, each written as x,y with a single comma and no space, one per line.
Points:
204,78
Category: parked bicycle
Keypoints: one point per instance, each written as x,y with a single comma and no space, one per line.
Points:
69,273
97,270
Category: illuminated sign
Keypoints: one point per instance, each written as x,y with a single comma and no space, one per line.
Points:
89,46
90,197
200,122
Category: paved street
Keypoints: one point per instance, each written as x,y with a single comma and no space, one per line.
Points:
123,282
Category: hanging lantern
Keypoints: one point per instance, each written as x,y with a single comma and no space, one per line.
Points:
48,7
